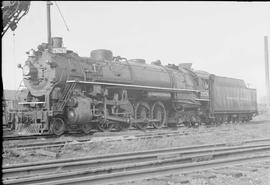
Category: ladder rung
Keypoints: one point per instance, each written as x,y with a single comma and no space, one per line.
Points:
66,93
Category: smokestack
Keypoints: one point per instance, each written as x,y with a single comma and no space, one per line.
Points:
267,73
49,22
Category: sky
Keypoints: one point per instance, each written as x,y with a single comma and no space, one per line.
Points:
222,38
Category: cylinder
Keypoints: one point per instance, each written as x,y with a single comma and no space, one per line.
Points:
82,112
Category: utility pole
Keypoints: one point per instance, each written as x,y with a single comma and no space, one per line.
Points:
49,3
267,73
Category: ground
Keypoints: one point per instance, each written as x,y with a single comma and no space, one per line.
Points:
225,133
250,174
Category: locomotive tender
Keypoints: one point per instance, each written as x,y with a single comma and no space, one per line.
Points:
68,92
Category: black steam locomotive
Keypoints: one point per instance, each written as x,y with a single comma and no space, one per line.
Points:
69,92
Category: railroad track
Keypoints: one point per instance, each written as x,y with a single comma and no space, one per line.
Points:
29,137
26,137
151,132
124,166
59,144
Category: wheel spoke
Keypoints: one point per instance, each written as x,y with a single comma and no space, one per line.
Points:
142,111
158,112
105,126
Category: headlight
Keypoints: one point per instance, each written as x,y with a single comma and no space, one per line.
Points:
26,70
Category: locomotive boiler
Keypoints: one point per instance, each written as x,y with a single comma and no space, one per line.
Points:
67,92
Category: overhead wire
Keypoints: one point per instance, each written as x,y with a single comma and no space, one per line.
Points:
16,88
61,15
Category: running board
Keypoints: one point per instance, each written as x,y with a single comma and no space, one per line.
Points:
129,86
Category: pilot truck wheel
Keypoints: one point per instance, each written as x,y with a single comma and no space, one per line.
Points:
58,126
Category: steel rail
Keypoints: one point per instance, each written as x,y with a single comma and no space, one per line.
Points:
71,165
150,173
25,137
135,164
38,145
53,144
163,150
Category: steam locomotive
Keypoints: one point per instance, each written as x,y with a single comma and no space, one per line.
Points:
68,92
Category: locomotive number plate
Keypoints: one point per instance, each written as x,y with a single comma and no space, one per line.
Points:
59,50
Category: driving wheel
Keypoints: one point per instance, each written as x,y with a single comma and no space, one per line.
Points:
158,112
104,126
142,111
